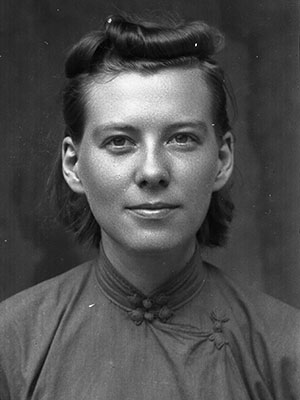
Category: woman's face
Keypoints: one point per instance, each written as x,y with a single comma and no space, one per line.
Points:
149,160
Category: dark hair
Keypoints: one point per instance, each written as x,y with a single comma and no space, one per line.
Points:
125,44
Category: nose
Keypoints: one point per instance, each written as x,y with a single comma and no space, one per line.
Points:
152,171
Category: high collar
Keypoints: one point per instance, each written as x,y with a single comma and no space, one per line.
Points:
161,303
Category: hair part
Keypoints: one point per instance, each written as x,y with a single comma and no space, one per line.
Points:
125,45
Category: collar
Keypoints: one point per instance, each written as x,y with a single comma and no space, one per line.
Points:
162,303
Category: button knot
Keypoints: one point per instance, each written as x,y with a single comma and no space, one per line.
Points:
137,316
218,326
135,300
149,316
147,303
217,336
149,309
164,314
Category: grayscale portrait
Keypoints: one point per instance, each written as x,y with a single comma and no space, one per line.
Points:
150,187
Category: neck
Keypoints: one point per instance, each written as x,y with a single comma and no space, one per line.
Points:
147,271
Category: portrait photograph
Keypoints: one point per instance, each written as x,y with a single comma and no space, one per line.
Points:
150,200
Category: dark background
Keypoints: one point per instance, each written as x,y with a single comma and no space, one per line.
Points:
261,59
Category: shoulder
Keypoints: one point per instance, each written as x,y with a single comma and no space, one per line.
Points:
249,302
262,331
32,319
47,298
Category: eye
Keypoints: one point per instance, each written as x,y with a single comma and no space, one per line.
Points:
183,139
119,143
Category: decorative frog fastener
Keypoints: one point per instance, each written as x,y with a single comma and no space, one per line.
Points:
148,309
217,336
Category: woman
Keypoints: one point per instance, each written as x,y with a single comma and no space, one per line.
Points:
146,160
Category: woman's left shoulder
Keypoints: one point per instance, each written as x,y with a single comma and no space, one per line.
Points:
258,312
262,333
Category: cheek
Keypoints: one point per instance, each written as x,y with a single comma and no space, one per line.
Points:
102,180
198,190
201,175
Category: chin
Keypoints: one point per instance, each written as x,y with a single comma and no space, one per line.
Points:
156,243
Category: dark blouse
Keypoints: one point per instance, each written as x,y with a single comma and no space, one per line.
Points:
89,334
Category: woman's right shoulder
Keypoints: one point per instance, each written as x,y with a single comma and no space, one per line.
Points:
31,320
44,298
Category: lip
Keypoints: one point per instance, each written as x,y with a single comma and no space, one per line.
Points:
153,206
157,210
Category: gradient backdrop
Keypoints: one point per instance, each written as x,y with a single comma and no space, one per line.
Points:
261,59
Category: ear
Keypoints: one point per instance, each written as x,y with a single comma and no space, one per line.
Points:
225,162
70,164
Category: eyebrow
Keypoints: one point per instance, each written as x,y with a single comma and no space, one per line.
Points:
195,124
112,127
127,128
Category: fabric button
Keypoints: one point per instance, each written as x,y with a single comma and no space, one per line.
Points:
137,316
165,313
147,303
149,316
218,326
135,300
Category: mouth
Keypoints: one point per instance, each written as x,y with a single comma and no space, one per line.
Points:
153,210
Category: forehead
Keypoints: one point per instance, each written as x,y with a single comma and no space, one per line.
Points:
162,94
